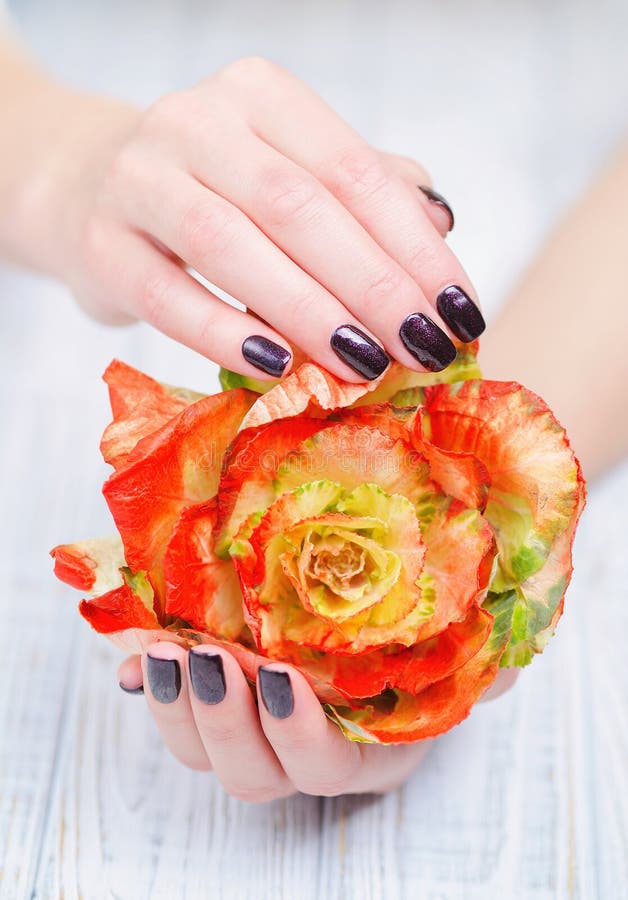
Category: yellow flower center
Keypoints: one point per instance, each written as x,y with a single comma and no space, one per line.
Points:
338,564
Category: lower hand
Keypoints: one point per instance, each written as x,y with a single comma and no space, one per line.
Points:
261,751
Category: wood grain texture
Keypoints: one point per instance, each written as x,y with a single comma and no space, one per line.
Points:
527,800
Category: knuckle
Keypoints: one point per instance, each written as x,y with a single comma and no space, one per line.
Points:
382,286
250,69
154,300
357,173
208,227
126,167
295,743
206,331
168,111
93,247
326,786
253,793
221,735
304,306
195,763
424,257
288,196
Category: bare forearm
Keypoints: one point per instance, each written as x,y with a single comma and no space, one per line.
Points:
564,332
49,132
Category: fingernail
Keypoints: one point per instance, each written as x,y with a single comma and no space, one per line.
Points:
207,676
439,200
135,690
460,312
276,692
359,351
164,678
265,355
427,342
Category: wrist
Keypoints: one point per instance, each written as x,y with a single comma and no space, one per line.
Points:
71,140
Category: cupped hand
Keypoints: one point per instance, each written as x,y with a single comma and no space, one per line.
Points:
252,181
265,747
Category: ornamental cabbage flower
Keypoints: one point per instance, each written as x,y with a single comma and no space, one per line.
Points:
398,541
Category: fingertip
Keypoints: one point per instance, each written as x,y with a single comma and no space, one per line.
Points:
130,676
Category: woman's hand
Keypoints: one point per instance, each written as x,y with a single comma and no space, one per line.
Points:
251,180
208,717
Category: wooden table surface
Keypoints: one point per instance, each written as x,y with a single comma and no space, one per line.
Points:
527,799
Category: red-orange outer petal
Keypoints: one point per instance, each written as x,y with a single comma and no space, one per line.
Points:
140,406
75,569
118,610
181,467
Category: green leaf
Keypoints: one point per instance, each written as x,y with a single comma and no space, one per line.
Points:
229,380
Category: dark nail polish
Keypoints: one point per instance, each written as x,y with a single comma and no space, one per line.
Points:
276,692
164,677
265,355
359,351
135,690
461,314
427,342
207,676
439,200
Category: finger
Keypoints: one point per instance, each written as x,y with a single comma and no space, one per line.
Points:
226,247
305,220
294,120
504,681
154,288
314,753
228,724
168,700
130,675
435,205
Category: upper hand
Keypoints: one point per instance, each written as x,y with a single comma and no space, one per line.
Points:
253,181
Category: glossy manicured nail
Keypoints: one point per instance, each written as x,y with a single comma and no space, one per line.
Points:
135,690
427,342
439,200
164,678
265,355
207,676
461,314
276,692
360,352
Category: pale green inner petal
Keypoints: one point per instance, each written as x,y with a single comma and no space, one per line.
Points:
342,570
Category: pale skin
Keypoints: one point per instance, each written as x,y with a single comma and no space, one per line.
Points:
115,201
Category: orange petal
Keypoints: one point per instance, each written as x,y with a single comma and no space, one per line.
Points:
200,587
250,465
140,406
412,669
